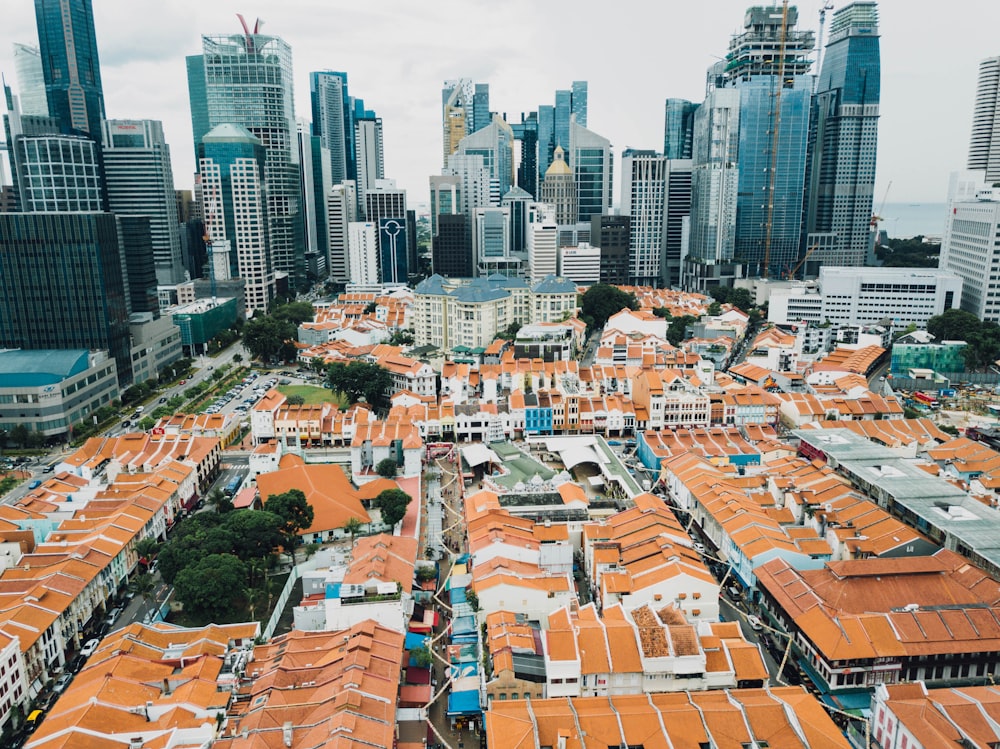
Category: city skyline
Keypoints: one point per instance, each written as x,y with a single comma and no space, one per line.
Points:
523,71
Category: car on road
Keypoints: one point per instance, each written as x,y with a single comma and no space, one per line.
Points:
89,647
112,616
163,400
700,548
183,382
61,683
754,622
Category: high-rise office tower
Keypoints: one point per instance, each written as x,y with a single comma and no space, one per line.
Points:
559,190
678,128
526,131
643,200
68,46
246,80
332,119
843,140
678,221
315,175
591,162
341,212
232,164
493,242
543,232
481,116
137,249
984,146
64,284
393,250
384,201
578,93
517,201
495,143
363,254
58,173
477,191
30,80
775,100
456,114
369,155
140,182
613,235
714,183
546,138
970,250
451,253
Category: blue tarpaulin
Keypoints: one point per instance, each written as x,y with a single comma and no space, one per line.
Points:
463,703
414,640
457,595
333,590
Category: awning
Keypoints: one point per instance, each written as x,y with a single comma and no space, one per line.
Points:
414,640
418,675
414,695
463,703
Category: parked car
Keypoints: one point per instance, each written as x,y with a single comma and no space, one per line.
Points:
754,622
61,683
89,647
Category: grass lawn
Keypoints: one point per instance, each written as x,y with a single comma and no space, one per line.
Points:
312,394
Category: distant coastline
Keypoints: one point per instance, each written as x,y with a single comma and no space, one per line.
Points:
903,220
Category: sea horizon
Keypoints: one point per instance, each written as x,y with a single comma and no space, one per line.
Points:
905,220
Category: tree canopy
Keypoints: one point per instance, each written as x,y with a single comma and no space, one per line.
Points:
358,379
983,338
392,503
739,298
212,585
273,336
386,468
295,512
601,301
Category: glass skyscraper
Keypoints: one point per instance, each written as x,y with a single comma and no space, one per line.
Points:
332,120
678,128
843,140
246,80
64,284
140,181
30,80
68,46
984,145
592,164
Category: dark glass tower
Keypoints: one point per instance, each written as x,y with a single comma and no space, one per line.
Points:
678,128
64,283
843,140
332,120
72,71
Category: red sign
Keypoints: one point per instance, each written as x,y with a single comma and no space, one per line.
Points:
158,430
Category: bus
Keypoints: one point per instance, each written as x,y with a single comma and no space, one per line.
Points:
233,486
927,400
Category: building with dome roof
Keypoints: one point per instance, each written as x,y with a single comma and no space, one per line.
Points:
559,188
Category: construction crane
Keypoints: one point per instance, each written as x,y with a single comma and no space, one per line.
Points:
827,6
775,128
791,274
210,206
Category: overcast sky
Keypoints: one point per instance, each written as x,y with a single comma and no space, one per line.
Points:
633,53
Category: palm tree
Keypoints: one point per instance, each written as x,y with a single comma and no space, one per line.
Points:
147,549
352,527
218,499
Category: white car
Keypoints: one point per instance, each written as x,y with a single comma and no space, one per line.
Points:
755,623
89,647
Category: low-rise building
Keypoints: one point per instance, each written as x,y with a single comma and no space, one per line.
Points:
50,391
911,716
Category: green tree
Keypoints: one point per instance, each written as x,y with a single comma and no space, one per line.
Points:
295,400
510,332
678,326
953,325
268,338
147,548
601,301
294,312
212,587
352,527
143,586
386,468
146,423
218,499
402,338
421,656
295,512
741,299
255,534
714,309
19,434
237,358
358,379
392,503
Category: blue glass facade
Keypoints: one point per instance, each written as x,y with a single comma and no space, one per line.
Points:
755,163
68,47
843,139
678,128
332,120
